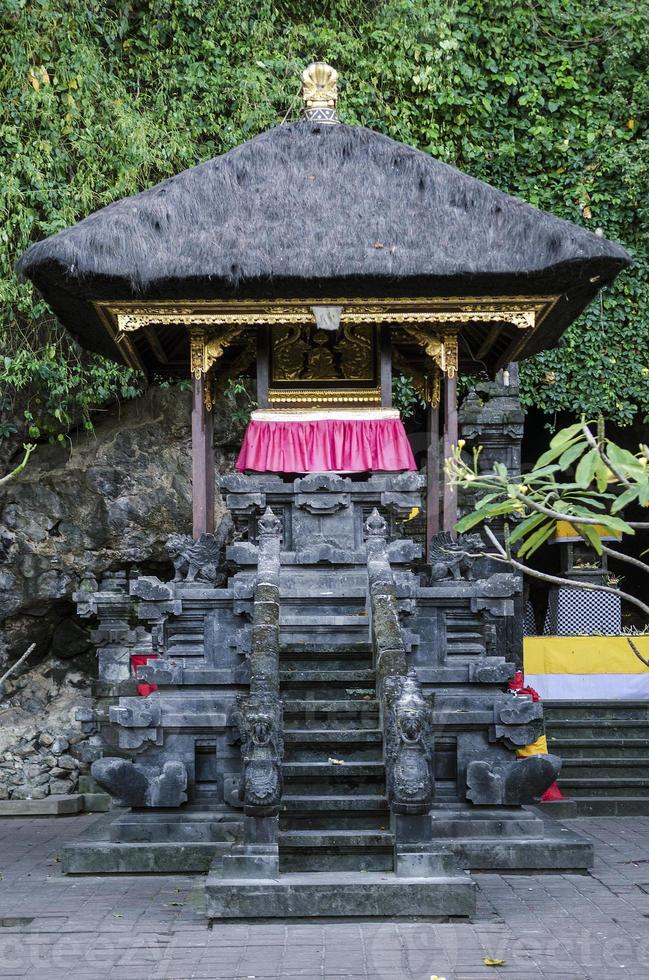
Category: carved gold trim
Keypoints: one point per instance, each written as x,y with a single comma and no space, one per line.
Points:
127,323
525,313
206,348
443,351
325,396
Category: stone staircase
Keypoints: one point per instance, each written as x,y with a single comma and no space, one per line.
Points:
334,814
604,746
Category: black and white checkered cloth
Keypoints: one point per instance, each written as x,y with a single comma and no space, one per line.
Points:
579,612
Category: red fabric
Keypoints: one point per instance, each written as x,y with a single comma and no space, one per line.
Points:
141,660
552,795
339,445
517,684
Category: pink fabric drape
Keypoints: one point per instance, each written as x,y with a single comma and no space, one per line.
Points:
342,445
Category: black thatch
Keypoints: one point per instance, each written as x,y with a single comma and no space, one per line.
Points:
322,210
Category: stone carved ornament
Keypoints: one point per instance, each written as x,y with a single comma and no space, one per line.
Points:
259,721
408,744
136,784
454,558
199,561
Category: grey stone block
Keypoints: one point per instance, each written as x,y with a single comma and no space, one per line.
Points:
345,894
50,806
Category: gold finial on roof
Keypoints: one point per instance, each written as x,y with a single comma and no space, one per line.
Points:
319,92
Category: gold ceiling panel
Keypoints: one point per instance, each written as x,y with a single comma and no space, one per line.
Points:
440,314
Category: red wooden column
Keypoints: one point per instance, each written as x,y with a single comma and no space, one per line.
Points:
449,507
432,476
202,460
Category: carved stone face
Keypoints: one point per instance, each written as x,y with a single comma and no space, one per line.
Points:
175,545
410,726
261,731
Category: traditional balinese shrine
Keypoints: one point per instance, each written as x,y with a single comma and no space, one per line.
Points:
328,731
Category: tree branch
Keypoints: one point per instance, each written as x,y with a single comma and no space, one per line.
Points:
14,667
29,449
573,519
592,441
557,580
627,558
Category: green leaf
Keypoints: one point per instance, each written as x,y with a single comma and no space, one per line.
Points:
551,454
626,498
563,437
534,542
471,520
586,469
571,454
601,475
591,535
526,526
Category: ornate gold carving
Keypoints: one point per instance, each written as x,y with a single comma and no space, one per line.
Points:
300,353
522,319
356,352
325,396
207,348
451,355
319,89
289,349
443,351
319,360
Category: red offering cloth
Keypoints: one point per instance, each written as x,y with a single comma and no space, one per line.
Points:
316,442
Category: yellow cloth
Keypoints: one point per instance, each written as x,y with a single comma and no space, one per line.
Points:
584,655
540,747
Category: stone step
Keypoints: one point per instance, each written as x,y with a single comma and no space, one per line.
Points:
340,893
347,736
334,803
323,622
366,678
331,713
357,839
314,706
603,806
603,787
329,770
608,768
598,728
594,711
318,745
494,828
331,813
336,661
322,649
578,748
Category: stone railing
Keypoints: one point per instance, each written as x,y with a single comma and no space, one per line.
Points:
260,711
406,714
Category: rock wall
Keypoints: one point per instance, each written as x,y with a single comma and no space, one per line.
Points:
41,743
104,501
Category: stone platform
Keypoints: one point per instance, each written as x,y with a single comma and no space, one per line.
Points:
339,894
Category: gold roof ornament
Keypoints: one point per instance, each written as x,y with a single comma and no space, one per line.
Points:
320,93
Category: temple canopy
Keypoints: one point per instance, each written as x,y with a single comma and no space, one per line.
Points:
321,211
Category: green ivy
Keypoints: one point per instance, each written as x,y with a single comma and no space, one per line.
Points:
547,101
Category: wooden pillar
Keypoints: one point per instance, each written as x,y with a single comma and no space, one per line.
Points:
263,365
202,460
449,387
432,476
385,346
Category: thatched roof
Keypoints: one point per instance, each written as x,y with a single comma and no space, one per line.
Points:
306,209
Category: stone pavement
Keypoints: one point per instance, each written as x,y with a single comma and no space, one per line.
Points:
559,926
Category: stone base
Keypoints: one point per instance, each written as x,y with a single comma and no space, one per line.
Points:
322,894
50,806
151,842
168,858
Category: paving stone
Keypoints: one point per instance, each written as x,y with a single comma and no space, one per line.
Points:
544,926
